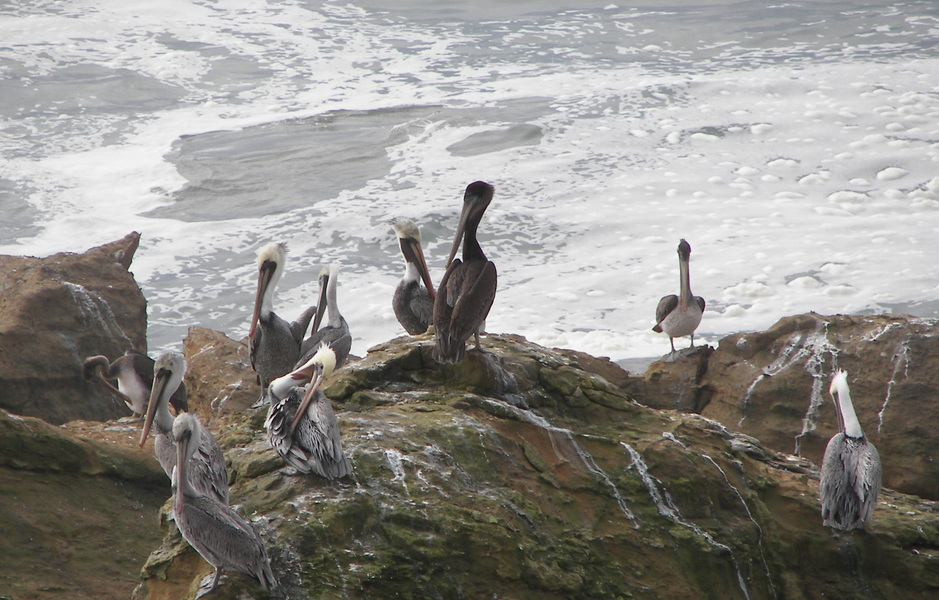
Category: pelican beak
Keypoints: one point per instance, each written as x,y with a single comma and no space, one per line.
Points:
265,274
157,390
182,451
311,389
460,229
320,303
413,253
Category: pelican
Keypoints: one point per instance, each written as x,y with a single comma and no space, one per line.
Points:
413,305
336,331
274,343
207,470
134,374
680,315
301,425
468,287
218,533
851,474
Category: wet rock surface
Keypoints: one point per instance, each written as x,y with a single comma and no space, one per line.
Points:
522,472
56,311
773,385
517,474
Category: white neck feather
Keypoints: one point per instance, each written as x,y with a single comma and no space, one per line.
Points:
842,394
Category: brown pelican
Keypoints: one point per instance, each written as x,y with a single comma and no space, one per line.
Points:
468,287
301,425
680,315
218,533
413,305
274,343
134,374
851,474
207,470
336,331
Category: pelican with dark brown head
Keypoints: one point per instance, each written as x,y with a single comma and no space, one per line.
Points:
468,288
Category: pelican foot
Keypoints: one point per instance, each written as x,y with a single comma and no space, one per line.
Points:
208,584
672,357
260,402
290,472
689,351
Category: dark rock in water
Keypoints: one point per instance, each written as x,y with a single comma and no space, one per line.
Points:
773,385
519,474
56,311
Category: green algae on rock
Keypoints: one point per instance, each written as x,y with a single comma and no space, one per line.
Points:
521,475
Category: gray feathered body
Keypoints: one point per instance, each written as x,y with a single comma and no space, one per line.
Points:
339,338
275,347
413,306
315,444
850,482
222,537
208,472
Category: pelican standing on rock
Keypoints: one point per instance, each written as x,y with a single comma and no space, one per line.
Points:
413,304
336,331
301,425
468,288
219,534
274,343
207,470
680,315
134,374
851,473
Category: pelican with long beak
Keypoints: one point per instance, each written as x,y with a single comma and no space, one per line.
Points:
274,343
851,473
207,470
413,304
468,288
335,333
134,375
680,315
301,425
219,534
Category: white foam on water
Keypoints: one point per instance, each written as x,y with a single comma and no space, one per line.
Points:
775,163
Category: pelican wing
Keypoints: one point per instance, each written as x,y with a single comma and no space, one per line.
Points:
321,437
700,302
475,288
666,305
208,471
868,481
423,307
277,424
337,338
225,539
299,327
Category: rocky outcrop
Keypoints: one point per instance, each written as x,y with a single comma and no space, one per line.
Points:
519,474
56,311
773,385
78,508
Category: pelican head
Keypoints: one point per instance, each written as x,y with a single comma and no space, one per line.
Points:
168,373
319,368
684,251
187,433
476,199
841,394
271,259
323,362
405,229
409,238
327,280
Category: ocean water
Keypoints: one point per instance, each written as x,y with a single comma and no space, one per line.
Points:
795,145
